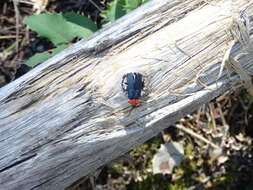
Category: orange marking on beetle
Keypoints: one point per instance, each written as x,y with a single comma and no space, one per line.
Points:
134,102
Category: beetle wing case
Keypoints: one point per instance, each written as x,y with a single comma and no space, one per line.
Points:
134,85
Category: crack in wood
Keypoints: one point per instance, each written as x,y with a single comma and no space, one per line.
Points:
12,165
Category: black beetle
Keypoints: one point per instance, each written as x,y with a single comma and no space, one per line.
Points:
133,84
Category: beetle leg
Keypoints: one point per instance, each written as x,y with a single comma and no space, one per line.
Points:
124,86
145,89
124,83
143,84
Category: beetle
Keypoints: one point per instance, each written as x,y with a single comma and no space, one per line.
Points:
133,84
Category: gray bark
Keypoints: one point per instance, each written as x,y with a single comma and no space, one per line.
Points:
69,116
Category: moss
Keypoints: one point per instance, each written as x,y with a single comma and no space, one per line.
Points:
176,187
188,150
117,169
226,182
151,182
246,97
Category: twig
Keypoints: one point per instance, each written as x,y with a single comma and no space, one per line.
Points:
222,115
15,3
95,5
224,123
192,133
212,114
8,37
245,108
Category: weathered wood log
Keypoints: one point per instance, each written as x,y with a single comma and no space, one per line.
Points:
69,116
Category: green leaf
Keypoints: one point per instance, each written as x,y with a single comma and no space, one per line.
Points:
188,150
41,57
249,187
60,29
81,26
51,26
37,58
115,10
132,4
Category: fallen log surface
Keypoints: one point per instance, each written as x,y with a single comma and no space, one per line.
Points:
69,116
